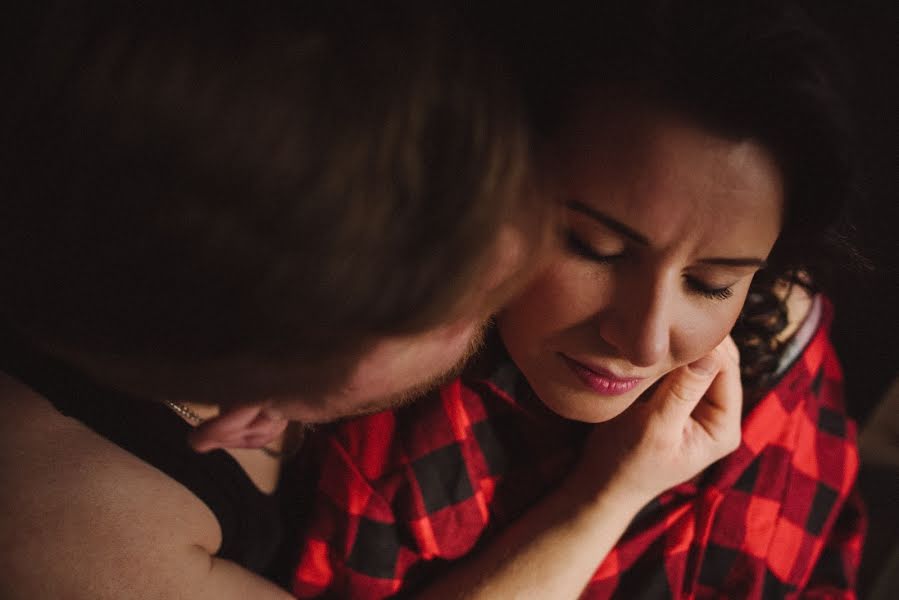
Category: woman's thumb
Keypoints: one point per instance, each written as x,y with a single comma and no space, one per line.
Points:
682,389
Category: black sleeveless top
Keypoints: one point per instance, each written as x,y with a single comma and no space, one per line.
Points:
250,520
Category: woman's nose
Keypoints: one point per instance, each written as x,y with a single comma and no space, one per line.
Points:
640,325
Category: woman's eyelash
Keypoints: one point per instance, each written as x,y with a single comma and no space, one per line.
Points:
713,293
580,248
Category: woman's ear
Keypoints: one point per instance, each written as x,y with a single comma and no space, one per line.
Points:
243,426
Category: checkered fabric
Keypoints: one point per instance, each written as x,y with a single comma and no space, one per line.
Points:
402,494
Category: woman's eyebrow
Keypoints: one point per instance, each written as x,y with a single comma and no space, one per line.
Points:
608,221
619,227
735,262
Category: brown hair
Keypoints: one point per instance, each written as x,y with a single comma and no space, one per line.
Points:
192,180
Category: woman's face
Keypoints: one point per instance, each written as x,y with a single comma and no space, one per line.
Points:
666,225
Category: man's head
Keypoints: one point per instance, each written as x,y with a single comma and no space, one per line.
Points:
234,200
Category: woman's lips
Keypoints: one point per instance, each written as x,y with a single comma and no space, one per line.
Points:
601,381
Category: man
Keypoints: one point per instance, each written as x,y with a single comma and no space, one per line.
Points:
219,217
254,212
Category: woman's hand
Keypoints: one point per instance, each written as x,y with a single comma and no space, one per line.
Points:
690,421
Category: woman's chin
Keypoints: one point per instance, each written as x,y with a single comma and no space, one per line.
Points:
587,407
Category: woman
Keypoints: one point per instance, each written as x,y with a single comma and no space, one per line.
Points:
692,144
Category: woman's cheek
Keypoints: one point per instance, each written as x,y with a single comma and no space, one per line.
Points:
702,330
545,293
563,298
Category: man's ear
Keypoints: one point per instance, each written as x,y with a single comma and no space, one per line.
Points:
244,426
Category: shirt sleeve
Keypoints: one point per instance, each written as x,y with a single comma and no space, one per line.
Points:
835,569
835,573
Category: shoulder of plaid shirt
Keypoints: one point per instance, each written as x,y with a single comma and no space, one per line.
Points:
401,495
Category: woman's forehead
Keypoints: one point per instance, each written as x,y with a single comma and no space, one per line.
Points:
665,178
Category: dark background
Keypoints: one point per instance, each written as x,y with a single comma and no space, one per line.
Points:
865,329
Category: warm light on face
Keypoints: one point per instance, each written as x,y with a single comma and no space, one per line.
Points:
666,225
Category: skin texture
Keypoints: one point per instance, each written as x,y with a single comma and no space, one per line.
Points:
91,521
639,308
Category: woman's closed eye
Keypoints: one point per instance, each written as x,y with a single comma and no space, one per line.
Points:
580,248
714,293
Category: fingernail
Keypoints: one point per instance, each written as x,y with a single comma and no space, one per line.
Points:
705,365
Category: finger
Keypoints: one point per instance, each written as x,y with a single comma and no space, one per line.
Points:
250,426
682,389
728,379
720,410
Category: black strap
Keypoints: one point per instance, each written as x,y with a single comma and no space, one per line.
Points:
249,519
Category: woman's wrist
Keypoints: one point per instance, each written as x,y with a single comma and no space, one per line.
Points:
612,500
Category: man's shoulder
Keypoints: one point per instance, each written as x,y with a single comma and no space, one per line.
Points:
70,495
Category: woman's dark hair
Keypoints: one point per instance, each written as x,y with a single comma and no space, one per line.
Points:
189,180
755,70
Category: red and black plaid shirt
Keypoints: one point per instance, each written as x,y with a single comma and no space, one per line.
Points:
401,494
